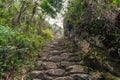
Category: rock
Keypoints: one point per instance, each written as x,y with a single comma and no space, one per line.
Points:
55,58
55,72
36,79
55,42
74,59
64,64
56,63
64,78
39,63
48,77
36,74
55,52
75,69
49,45
44,58
42,54
72,54
65,56
42,77
49,65
85,46
80,76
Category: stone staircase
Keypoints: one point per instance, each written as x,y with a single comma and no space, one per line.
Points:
57,63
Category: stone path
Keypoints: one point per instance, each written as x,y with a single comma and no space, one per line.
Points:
57,63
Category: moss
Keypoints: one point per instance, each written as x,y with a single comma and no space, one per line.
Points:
109,76
98,61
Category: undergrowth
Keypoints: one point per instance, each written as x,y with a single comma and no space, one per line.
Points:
19,50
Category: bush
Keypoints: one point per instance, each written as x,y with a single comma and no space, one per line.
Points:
12,55
48,33
19,50
96,24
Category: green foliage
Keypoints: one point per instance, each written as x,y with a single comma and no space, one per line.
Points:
46,7
19,49
48,33
84,16
23,33
11,54
5,35
116,1
119,51
57,4
95,18
23,11
51,7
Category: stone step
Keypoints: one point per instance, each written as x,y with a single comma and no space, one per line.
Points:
40,75
55,72
64,78
81,76
75,69
57,63
36,79
37,74
41,65
56,58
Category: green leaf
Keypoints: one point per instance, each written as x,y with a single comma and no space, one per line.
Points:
116,1
119,51
1,63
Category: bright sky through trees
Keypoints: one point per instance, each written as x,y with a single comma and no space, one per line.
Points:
59,19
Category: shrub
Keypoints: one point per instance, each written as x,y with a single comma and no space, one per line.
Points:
19,50
11,54
48,33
